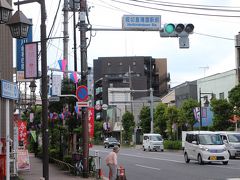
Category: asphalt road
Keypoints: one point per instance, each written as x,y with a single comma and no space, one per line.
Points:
141,165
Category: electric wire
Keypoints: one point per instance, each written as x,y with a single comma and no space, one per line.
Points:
184,6
175,11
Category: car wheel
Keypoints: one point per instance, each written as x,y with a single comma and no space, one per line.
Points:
144,148
149,149
105,146
162,150
187,160
225,162
200,161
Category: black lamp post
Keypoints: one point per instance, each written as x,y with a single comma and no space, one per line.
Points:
5,10
33,86
19,29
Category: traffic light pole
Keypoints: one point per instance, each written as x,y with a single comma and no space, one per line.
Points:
83,51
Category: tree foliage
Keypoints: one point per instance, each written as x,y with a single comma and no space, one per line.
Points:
222,111
234,99
145,119
187,115
172,122
160,119
128,124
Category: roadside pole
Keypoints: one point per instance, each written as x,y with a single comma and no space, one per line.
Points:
84,69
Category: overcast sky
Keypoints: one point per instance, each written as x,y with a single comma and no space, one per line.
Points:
212,46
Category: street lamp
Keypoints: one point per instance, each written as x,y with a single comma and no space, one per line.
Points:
5,10
19,30
33,86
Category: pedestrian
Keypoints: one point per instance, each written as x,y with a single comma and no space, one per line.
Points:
111,161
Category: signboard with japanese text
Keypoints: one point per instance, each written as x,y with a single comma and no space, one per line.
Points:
91,121
23,162
22,133
141,22
56,85
9,90
20,49
31,60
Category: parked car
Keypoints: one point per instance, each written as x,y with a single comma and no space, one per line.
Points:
153,142
232,141
111,142
205,146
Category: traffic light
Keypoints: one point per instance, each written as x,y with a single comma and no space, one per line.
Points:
176,30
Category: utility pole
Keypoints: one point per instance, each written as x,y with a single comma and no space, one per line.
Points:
65,32
84,69
237,47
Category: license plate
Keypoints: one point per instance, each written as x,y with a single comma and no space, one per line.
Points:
213,158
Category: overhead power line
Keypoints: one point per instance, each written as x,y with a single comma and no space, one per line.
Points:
208,8
175,11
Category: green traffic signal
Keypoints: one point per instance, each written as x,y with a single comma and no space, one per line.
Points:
169,28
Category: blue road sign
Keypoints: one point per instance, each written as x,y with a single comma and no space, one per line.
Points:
82,93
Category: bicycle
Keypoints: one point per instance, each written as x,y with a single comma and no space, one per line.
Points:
78,167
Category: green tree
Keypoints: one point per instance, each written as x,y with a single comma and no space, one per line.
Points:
172,122
128,125
222,111
145,119
186,112
234,99
160,119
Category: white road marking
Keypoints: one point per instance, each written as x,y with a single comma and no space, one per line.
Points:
148,167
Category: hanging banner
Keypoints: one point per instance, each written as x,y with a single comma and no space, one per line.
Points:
31,60
23,162
91,121
22,133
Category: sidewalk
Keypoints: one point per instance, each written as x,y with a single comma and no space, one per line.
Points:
55,173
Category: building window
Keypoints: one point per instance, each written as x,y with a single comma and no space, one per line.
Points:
221,95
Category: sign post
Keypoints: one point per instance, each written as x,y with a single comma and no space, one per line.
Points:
9,90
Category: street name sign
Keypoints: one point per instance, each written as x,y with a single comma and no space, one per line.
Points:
9,90
54,99
141,22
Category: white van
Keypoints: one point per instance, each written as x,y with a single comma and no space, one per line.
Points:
232,141
153,142
205,146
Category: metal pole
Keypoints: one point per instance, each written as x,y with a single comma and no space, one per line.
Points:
65,32
83,29
7,142
74,38
151,108
200,110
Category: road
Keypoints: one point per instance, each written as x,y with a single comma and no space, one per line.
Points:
141,165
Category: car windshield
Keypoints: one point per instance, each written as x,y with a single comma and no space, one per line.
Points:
112,139
156,138
234,137
210,139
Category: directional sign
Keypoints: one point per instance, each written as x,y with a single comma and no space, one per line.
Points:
82,93
9,90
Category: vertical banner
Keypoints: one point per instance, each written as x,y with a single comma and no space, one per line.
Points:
91,124
20,54
22,133
31,60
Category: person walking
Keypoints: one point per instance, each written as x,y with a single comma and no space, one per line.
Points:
111,161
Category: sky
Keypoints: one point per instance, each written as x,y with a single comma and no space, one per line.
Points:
212,45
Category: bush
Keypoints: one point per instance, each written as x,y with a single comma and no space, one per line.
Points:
67,159
176,145
54,153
